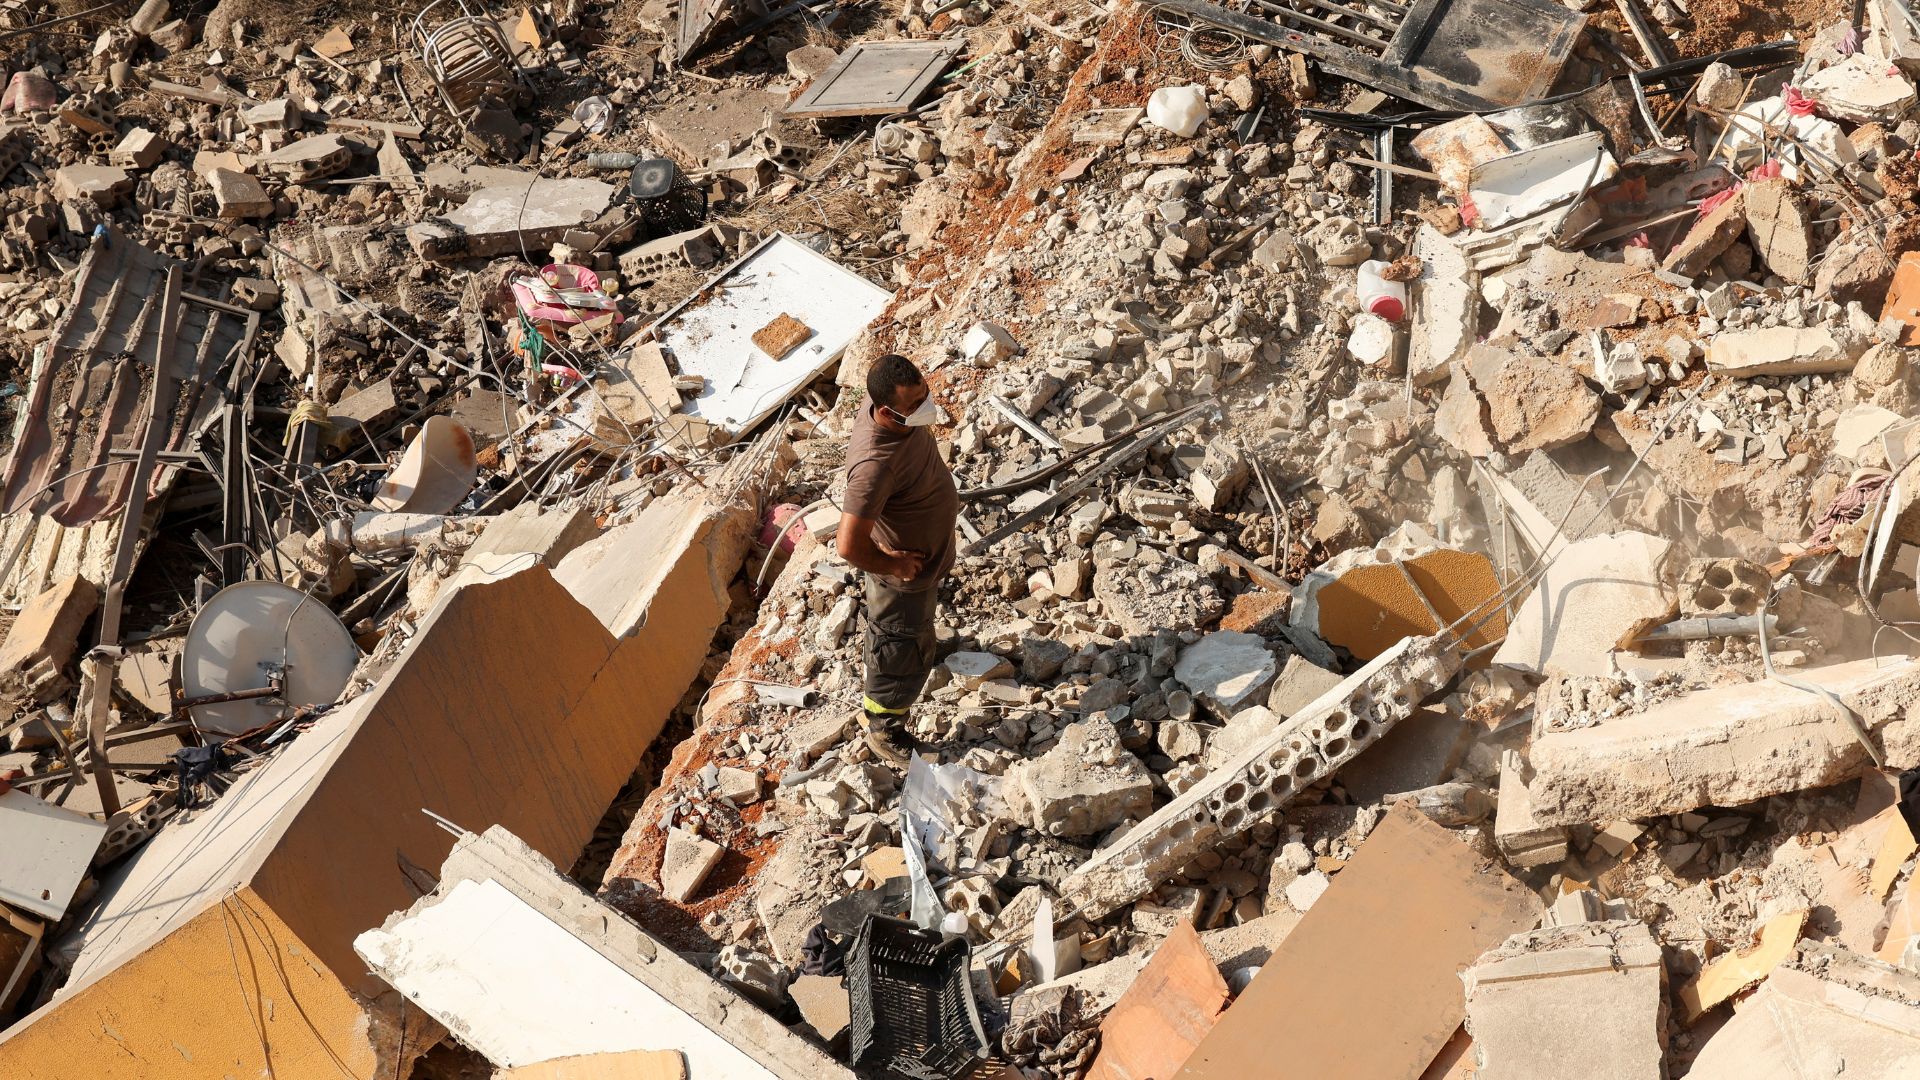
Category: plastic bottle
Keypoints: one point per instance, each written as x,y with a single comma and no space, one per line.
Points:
1179,109
1387,299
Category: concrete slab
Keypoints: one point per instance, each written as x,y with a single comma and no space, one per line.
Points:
527,535
1861,89
238,195
502,218
823,1003
523,966
1579,1002
1446,307
618,573
1856,1017
47,852
1299,683
690,857
700,127
635,385
1596,597
1521,837
146,675
102,185
47,629
1780,350
1780,228
1727,746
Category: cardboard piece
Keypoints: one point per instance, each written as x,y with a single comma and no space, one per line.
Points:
1735,972
1164,1015
1368,985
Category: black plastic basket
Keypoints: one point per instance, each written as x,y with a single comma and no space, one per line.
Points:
912,1002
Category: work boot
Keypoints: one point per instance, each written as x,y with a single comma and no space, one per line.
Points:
887,737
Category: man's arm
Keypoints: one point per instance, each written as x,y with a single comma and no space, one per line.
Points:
854,540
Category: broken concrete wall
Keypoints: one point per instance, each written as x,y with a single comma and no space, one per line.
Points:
1726,746
1827,1013
1578,1002
512,705
1263,776
243,996
524,966
170,913
488,718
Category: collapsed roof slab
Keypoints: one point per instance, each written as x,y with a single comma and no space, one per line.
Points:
523,966
1727,746
513,705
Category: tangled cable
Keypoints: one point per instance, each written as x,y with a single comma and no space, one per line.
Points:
1208,48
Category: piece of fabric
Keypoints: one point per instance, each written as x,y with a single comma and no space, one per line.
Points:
901,485
899,646
820,954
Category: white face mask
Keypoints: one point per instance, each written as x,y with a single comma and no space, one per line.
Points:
927,415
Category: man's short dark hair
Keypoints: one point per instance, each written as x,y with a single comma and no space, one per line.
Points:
889,373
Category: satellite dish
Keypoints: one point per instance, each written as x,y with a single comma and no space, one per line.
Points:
246,634
434,474
652,178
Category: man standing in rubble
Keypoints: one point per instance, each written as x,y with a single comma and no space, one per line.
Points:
896,524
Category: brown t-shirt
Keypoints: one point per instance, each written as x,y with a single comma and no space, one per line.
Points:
900,483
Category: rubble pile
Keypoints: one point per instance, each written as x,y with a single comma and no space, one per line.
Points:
1431,525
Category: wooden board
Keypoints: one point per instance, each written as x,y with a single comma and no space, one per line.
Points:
1737,971
1367,987
876,78
1164,1015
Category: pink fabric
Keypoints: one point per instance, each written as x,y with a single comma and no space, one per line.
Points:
1846,506
562,276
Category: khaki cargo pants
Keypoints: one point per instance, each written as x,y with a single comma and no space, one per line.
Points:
899,649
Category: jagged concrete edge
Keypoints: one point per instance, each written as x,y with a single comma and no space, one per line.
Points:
1263,777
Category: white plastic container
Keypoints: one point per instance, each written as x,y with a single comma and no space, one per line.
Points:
1387,299
1179,109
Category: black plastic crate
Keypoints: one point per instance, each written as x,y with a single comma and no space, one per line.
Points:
912,1002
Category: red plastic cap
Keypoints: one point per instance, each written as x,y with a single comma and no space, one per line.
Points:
1387,307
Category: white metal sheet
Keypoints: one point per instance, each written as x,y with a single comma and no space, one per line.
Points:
713,335
44,853
1522,184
